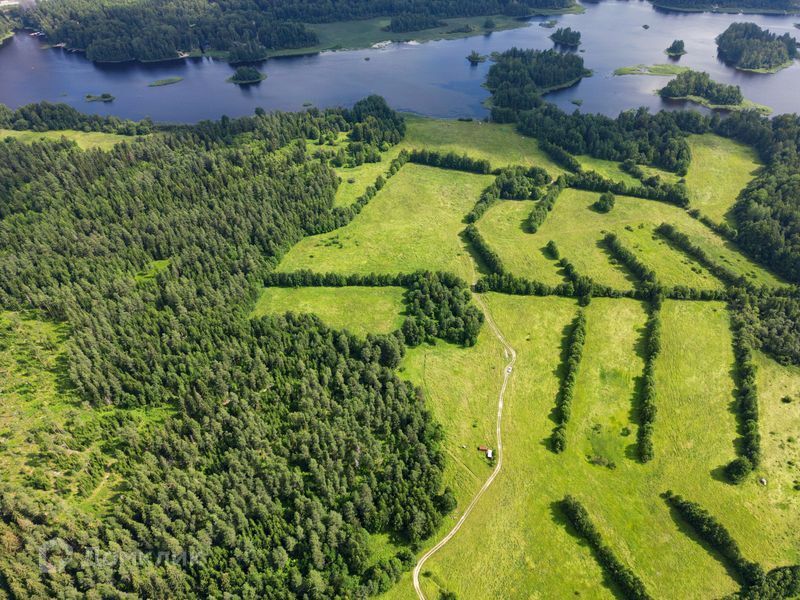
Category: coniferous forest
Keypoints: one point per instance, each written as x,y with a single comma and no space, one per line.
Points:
290,441
157,30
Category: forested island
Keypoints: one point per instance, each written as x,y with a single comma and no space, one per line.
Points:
518,78
566,36
749,48
676,49
700,88
248,30
246,75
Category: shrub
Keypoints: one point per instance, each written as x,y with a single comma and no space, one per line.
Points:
605,203
738,469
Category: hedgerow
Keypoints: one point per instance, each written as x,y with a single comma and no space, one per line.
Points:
489,257
716,536
577,337
682,241
628,582
647,405
594,182
542,208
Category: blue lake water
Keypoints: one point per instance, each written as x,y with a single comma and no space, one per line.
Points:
432,78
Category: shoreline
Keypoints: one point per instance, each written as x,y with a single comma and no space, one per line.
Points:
745,105
333,45
726,11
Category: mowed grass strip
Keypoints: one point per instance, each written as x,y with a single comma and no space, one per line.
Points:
360,310
514,544
719,170
500,144
85,140
412,224
578,230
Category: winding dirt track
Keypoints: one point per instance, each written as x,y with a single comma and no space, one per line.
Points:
508,352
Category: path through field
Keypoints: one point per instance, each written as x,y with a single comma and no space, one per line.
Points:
508,352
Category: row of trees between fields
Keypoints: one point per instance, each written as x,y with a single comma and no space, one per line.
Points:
622,575
574,350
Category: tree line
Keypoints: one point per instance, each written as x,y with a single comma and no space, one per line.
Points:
248,29
647,392
575,341
622,575
713,533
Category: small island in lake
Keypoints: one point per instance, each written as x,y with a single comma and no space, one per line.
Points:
476,58
566,36
659,70
676,49
749,48
698,87
166,81
246,75
105,97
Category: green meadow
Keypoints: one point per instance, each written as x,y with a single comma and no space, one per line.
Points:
361,310
412,224
517,524
578,230
501,145
719,170
86,140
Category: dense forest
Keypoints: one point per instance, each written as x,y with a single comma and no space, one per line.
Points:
290,442
747,46
694,83
518,78
119,30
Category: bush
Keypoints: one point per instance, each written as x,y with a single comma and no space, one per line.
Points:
738,470
605,203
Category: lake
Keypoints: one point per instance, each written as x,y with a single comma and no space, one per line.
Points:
432,79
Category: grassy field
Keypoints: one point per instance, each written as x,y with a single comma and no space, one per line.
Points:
349,35
412,224
607,168
719,170
92,139
578,229
515,544
501,145
361,310
355,180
